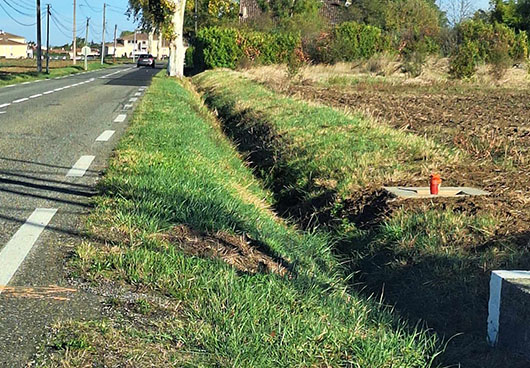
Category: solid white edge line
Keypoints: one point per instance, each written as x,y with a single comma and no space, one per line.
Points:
120,118
105,136
16,250
81,166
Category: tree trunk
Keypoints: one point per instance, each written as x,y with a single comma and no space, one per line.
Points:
177,50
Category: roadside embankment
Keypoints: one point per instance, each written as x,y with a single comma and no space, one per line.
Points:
430,258
200,271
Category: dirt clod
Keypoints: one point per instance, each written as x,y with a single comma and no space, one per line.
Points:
236,251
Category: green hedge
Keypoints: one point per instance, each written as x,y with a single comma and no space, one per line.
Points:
348,41
228,47
486,36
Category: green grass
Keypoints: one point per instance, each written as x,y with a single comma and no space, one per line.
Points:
16,78
347,152
175,166
431,259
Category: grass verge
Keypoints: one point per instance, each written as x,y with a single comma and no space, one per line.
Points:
183,221
16,78
431,258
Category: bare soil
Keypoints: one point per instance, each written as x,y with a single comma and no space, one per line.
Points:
492,126
236,251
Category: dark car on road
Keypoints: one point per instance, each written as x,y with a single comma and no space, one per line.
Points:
146,60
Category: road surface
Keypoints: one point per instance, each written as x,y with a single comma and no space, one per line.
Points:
55,139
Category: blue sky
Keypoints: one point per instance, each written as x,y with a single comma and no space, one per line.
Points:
61,23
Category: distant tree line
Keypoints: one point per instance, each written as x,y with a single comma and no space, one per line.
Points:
408,29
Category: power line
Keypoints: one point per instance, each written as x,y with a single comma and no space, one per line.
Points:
91,8
14,20
25,6
17,10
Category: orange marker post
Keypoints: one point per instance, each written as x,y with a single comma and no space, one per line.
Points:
436,180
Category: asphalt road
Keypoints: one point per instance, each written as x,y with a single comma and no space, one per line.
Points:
45,129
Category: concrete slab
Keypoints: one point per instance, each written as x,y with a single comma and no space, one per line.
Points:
509,311
424,192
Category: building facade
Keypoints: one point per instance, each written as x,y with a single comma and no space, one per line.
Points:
12,46
145,44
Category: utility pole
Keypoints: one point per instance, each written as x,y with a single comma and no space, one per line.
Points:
196,15
48,40
86,43
39,46
115,41
103,35
74,43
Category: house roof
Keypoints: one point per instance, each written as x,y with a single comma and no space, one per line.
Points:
7,39
9,35
139,37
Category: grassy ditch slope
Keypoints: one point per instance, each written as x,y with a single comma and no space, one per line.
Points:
326,168
202,272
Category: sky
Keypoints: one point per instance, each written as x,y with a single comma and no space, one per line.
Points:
62,15
61,22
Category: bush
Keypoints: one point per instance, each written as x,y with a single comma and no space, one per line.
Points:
217,48
188,58
230,47
496,42
347,41
519,50
464,63
352,41
499,57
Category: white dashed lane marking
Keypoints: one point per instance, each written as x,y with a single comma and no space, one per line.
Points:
133,99
81,166
21,243
21,100
4,105
35,96
127,107
105,136
120,118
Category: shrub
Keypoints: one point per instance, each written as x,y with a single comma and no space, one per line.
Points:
217,47
495,42
499,57
229,47
464,63
478,32
347,41
519,50
352,41
188,58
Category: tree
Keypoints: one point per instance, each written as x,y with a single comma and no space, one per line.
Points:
166,16
126,33
459,10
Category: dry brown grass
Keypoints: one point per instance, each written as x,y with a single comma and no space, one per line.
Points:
384,68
